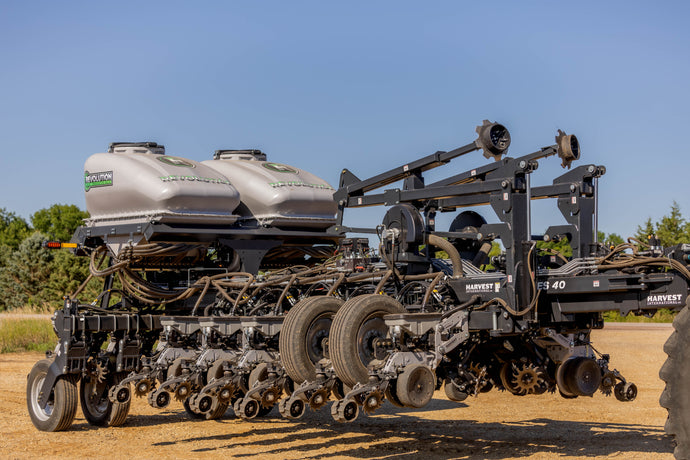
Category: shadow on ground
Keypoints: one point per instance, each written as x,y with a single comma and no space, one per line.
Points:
399,433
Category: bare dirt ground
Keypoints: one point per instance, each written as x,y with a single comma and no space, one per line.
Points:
494,425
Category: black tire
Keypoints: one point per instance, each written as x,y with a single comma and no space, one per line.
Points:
191,412
96,406
305,327
392,395
358,322
218,410
62,405
676,373
259,374
452,391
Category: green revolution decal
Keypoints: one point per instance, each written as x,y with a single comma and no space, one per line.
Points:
98,179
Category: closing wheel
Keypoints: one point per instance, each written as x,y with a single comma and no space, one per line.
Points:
344,410
356,326
453,392
59,413
676,373
248,408
96,406
292,409
190,407
415,385
306,327
221,402
159,399
625,392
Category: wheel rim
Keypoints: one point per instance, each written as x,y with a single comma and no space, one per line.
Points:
373,328
40,413
97,401
419,387
350,411
297,408
318,331
251,408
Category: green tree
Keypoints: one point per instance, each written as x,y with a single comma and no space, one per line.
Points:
612,239
59,221
645,230
672,229
32,276
13,229
562,246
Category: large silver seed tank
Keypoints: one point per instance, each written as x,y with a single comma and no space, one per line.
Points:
276,194
139,182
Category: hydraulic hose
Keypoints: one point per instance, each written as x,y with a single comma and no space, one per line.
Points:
453,253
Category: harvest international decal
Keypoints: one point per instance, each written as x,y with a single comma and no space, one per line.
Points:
665,299
98,179
482,287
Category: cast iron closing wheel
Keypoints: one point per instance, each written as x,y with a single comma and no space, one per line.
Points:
95,404
676,373
303,334
59,414
356,326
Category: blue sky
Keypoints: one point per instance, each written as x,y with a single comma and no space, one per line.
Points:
358,85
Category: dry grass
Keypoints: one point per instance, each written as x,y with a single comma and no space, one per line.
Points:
663,315
26,334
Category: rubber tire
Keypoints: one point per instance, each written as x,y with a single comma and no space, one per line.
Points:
347,322
65,398
219,409
293,341
415,386
676,373
452,392
259,374
114,414
392,395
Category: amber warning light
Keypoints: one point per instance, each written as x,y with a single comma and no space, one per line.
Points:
58,245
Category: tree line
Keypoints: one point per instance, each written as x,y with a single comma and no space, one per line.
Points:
38,278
